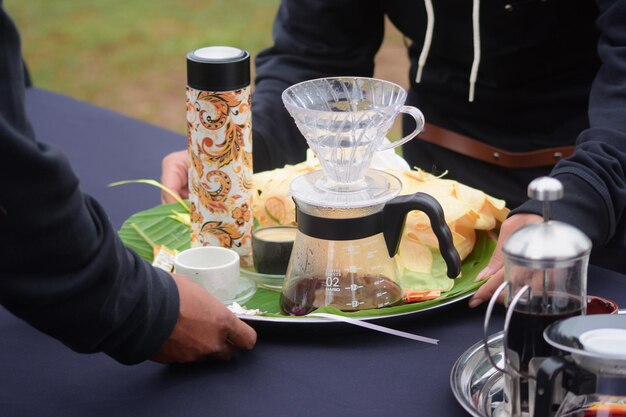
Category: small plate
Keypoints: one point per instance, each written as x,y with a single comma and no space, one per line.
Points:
246,290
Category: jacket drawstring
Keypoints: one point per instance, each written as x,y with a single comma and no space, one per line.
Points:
476,39
430,26
428,39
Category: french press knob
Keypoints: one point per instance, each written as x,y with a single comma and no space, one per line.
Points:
549,244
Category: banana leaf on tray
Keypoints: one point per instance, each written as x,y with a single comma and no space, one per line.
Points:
162,225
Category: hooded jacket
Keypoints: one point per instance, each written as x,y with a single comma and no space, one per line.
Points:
517,74
63,268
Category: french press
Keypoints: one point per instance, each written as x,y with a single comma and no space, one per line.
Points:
591,368
349,216
545,280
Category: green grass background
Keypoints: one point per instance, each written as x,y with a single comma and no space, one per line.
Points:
129,55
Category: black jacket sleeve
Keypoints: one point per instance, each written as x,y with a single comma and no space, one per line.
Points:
594,178
62,267
312,39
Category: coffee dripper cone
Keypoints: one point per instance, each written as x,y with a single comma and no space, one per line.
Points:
345,120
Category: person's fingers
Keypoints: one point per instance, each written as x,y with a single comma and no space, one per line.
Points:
223,352
242,335
496,263
174,175
205,328
485,292
494,271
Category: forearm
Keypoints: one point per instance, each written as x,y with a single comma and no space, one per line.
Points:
586,204
64,270
594,177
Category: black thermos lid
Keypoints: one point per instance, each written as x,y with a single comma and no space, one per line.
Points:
218,68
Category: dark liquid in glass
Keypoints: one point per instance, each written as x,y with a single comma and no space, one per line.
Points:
347,292
525,333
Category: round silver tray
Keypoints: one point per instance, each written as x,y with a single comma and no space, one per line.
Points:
476,385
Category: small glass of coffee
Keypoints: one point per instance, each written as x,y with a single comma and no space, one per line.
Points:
271,248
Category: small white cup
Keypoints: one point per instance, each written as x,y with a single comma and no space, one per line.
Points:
215,268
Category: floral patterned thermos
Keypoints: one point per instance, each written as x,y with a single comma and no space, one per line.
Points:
219,136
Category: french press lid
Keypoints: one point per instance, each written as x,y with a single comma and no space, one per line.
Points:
547,244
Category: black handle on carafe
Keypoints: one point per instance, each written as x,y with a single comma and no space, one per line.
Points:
394,216
576,380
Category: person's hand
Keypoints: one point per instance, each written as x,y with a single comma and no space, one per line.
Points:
174,175
494,271
205,328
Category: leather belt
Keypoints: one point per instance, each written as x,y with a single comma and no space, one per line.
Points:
478,150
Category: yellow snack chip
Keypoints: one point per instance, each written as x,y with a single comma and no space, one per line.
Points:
466,210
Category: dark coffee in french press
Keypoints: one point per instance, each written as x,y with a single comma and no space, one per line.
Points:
525,335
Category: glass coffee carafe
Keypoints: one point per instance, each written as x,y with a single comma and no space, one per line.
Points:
545,281
591,368
349,216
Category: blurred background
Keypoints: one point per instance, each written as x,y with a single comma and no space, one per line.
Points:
129,55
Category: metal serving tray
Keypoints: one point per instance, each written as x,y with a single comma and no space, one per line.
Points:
477,386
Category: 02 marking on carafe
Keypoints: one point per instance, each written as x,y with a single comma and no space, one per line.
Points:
332,283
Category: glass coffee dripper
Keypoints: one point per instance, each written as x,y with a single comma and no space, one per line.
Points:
545,272
349,216
344,121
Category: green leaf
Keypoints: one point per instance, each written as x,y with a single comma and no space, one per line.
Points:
160,228
266,300
155,184
184,218
438,277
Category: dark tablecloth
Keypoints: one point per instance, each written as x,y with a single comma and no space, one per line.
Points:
315,371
